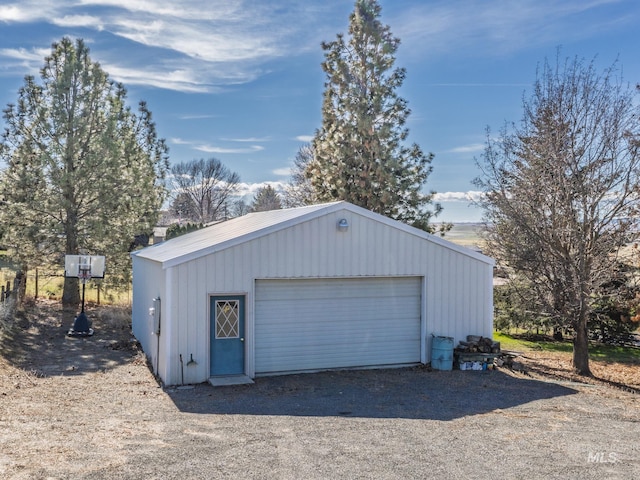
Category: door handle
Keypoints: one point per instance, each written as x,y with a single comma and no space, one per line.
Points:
242,339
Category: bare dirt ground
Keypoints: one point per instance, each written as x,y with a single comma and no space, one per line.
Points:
83,408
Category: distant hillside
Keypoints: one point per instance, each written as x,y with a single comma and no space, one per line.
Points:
466,234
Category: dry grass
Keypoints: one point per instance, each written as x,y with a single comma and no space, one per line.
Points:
558,365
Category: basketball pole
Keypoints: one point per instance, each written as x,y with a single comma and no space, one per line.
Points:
84,268
81,326
84,283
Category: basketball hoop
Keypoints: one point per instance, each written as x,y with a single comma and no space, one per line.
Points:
84,272
83,267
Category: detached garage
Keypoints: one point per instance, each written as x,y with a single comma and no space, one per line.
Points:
311,288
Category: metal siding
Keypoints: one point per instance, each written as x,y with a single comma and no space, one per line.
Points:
360,230
441,294
457,300
198,348
168,335
183,317
316,324
148,283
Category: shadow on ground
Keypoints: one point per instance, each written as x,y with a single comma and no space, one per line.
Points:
413,393
37,341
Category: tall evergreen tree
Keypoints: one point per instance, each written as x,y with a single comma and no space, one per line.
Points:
84,174
266,199
359,152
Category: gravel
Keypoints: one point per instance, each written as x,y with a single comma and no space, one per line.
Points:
90,408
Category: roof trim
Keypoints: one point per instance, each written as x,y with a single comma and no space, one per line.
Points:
422,234
313,213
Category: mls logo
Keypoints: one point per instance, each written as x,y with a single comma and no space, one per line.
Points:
602,457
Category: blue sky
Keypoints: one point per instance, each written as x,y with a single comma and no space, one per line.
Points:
241,80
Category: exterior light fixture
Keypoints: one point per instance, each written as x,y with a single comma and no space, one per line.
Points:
343,225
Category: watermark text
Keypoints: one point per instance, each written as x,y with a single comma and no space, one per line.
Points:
602,457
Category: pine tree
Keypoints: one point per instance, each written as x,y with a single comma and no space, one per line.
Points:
359,152
266,199
84,173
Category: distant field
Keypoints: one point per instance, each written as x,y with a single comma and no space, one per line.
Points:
466,234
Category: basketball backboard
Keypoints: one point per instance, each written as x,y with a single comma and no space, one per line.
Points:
81,266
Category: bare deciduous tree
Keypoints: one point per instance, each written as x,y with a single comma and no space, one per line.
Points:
202,188
299,190
562,190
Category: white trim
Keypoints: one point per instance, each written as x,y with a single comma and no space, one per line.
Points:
306,214
423,320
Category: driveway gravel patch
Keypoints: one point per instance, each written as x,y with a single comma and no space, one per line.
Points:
89,408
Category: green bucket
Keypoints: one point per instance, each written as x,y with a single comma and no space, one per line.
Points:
442,353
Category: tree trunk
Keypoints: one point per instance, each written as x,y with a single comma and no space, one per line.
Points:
581,349
20,285
70,291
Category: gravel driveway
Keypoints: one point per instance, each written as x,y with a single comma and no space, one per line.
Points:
90,408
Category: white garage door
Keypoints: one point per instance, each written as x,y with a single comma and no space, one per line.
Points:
331,323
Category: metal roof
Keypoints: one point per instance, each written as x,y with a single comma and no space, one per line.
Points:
218,236
253,225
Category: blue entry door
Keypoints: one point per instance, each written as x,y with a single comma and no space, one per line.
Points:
227,335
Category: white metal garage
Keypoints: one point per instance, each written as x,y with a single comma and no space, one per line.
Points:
310,288
338,322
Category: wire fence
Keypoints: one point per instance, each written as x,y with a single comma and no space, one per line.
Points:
42,284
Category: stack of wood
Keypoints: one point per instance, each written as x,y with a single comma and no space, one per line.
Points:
476,344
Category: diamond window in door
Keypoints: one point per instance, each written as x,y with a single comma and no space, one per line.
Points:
227,318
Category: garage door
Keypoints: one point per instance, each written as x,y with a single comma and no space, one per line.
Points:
332,323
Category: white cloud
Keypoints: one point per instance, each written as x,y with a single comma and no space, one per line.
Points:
208,148
195,117
34,55
78,21
27,11
470,196
193,46
179,141
203,45
22,60
282,172
472,148
248,140
213,149
194,9
499,26
247,190
184,80
305,138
